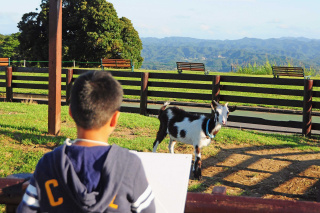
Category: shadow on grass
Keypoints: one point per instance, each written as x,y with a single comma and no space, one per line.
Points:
36,138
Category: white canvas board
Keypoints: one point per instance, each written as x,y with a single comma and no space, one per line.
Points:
168,175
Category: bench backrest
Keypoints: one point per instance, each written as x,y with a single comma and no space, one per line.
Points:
287,71
116,63
190,66
4,62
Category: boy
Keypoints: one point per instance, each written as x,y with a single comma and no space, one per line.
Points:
88,175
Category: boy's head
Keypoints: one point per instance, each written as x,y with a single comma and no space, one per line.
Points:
95,96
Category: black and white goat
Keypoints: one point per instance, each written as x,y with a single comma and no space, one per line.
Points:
190,128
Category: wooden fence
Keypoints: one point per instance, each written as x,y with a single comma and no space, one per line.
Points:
149,88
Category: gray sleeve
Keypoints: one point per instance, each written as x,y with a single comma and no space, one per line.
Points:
30,202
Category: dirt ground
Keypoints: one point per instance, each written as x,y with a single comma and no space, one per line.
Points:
256,171
262,171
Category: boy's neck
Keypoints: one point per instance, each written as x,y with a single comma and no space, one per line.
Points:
92,135
89,143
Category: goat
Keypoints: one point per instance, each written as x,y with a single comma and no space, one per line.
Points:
190,128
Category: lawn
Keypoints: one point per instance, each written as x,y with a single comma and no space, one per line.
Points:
24,137
24,140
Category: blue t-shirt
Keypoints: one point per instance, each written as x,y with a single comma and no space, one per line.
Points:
88,163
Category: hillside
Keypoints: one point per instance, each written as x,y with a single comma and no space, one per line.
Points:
219,55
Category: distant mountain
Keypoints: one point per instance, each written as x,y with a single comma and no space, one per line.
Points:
219,55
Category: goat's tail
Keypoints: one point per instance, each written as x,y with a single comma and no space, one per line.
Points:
163,107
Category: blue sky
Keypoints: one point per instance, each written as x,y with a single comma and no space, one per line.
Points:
204,19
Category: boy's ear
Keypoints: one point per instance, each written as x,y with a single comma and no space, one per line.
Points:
70,112
114,118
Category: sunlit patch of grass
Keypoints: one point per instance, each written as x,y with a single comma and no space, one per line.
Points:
196,187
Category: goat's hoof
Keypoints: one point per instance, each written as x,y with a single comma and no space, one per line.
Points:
199,177
197,174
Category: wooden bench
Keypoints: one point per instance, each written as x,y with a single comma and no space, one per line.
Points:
191,66
117,63
219,202
4,62
12,190
288,71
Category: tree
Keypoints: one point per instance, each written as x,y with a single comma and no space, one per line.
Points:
132,45
9,45
91,30
33,38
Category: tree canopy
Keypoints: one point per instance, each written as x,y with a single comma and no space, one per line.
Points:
91,30
9,45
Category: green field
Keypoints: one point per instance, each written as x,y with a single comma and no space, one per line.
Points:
24,138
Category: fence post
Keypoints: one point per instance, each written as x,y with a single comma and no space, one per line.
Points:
144,93
68,85
9,94
307,108
216,88
55,65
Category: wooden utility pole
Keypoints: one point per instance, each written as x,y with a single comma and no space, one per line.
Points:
55,49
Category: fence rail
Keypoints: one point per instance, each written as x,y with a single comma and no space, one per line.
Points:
148,87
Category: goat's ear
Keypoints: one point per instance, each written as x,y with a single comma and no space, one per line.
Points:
232,108
214,104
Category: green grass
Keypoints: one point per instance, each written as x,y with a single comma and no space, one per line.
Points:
23,131
24,138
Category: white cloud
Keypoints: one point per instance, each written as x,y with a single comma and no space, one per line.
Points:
204,27
274,21
283,26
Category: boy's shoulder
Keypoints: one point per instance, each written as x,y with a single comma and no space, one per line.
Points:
123,153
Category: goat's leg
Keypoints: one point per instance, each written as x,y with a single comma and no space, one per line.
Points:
197,155
162,133
171,146
197,163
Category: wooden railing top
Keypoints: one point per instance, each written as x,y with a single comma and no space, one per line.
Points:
12,189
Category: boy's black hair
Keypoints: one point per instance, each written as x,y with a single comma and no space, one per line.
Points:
95,96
